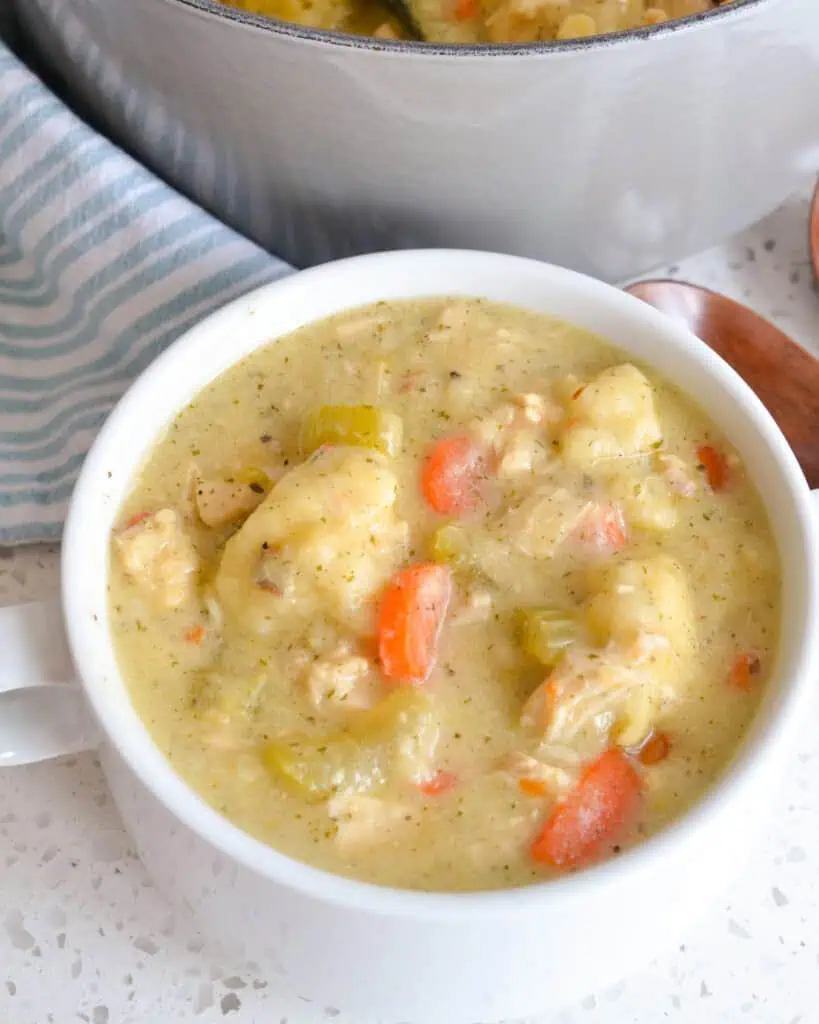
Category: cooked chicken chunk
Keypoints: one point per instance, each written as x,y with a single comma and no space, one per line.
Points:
365,821
591,698
158,556
342,679
221,501
555,779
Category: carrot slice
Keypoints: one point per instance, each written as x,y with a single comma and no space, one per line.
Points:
599,807
452,474
466,9
140,517
195,635
533,787
440,782
744,668
717,470
410,618
655,749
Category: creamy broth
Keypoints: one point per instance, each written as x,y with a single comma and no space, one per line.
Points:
529,635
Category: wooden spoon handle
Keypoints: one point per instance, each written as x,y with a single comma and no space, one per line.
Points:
813,231
783,375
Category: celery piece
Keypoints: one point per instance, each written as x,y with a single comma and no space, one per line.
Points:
317,767
362,426
547,633
398,734
450,546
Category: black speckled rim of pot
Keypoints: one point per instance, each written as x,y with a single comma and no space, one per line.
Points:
406,46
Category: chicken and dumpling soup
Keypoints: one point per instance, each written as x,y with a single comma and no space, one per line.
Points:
445,595
479,21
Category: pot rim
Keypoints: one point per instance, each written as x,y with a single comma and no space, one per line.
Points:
337,40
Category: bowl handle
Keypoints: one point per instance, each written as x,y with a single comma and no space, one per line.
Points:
43,713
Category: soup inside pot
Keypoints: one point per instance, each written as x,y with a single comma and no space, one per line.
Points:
445,595
481,21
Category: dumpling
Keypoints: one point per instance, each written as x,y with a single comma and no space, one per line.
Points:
611,417
648,502
634,598
326,537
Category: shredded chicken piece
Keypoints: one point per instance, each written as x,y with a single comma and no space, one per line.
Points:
295,662
219,502
518,766
602,530
514,432
323,638
461,315
342,678
537,409
159,557
532,407
544,519
492,429
677,474
567,758
647,647
365,820
520,453
592,696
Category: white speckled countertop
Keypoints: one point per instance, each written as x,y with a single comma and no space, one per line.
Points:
84,936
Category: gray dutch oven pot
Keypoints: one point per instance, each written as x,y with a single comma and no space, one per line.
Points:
608,155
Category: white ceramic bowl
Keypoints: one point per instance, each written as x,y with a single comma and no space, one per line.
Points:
381,952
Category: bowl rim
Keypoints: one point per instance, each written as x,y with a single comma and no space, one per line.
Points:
91,644
409,47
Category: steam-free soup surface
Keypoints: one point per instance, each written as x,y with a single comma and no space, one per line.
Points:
481,21
445,595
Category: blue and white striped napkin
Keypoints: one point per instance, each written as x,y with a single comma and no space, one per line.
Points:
101,266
